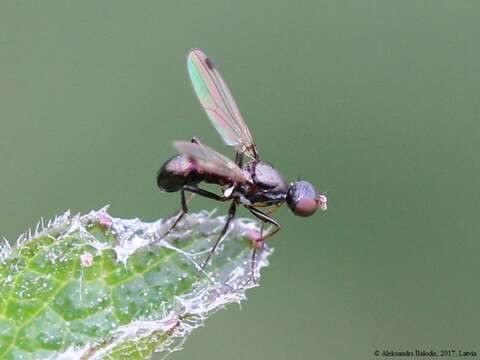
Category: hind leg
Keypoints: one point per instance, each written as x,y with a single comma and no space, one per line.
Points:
185,200
183,210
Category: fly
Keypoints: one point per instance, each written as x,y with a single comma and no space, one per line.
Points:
255,185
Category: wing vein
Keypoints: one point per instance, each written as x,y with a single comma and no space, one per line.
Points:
218,86
219,104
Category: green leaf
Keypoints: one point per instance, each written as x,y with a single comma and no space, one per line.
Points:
94,286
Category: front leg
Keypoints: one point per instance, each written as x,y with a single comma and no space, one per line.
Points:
265,218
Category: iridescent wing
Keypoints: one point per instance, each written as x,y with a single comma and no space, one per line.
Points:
210,161
218,103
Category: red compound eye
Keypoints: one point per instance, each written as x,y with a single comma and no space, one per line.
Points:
302,198
305,207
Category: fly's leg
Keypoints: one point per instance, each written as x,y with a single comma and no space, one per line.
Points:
231,215
258,244
204,193
239,159
185,200
268,213
265,218
181,213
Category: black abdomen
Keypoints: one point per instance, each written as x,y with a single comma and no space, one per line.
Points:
177,172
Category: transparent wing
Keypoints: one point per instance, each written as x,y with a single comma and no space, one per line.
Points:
218,103
211,161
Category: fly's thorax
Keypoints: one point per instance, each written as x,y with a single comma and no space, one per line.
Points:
266,178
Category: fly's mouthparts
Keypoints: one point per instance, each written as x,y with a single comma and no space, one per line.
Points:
322,202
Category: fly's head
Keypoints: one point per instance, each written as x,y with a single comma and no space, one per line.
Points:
303,199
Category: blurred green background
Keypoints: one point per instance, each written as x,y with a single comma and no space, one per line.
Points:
376,102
